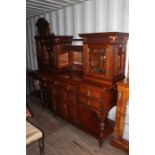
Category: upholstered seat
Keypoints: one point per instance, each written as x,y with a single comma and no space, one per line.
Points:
33,134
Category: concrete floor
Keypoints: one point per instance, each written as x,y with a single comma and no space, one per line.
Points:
62,138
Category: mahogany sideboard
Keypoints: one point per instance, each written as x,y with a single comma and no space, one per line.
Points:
78,82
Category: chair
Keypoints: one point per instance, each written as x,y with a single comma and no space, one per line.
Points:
33,134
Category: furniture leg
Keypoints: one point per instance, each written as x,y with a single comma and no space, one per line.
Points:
41,146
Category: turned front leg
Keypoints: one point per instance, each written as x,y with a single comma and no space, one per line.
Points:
102,125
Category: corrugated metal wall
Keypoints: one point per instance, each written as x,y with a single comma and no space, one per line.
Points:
85,17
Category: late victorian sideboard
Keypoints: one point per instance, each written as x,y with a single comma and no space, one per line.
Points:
77,82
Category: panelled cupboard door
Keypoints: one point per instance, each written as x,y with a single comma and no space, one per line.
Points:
64,103
71,107
54,92
88,120
58,100
61,99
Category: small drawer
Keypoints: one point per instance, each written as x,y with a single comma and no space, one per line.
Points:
85,100
71,87
90,102
85,91
68,86
91,92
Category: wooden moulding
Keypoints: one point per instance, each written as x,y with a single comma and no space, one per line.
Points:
106,37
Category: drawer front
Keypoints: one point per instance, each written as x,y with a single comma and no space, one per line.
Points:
91,92
90,102
67,86
71,87
85,91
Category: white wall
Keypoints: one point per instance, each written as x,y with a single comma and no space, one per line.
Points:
84,17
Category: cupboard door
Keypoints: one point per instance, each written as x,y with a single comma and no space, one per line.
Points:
60,105
88,120
54,95
71,113
58,100
71,107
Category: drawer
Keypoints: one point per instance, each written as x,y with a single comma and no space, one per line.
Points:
85,100
91,92
64,85
71,87
90,102
85,91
